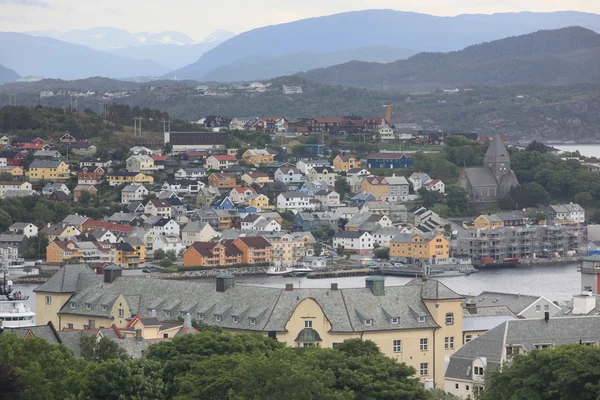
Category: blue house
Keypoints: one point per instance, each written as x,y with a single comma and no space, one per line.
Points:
315,149
247,209
221,203
361,199
390,160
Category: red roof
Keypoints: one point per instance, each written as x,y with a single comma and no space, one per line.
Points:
160,158
122,228
241,189
432,182
225,157
92,223
330,120
196,154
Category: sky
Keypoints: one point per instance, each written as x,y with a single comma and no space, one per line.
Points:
198,18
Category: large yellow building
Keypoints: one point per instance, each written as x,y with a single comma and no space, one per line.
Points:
119,178
419,323
48,170
258,157
345,162
488,222
414,246
378,186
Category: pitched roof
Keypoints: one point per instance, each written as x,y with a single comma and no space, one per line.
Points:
197,138
480,176
45,164
433,289
255,241
389,156
225,157
65,280
515,302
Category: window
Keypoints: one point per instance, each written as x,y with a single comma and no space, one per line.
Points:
467,388
456,386
421,319
395,320
72,305
121,312
48,299
546,307
468,338
165,335
397,345
543,346
235,319
424,369
104,308
167,313
252,321
200,316
218,318
478,371
449,342
449,318
368,322
88,306
335,344
513,350
424,344
538,308
308,324
69,326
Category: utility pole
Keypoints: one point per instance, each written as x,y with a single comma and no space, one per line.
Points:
137,131
165,122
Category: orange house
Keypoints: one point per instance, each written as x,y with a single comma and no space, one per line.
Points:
58,252
346,162
378,186
222,180
212,254
255,249
258,156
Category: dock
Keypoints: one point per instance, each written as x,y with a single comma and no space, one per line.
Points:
344,273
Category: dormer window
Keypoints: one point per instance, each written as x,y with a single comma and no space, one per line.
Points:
235,319
200,317
395,320
513,350
167,313
104,308
252,321
543,346
421,319
368,322
88,306
218,318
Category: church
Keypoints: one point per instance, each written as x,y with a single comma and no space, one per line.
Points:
494,180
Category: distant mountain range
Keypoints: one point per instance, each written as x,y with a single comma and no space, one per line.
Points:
396,29
45,57
8,75
259,67
563,56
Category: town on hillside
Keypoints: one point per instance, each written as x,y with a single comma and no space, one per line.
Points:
145,244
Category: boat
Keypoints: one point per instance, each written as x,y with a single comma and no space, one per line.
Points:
14,311
489,263
295,274
279,271
302,270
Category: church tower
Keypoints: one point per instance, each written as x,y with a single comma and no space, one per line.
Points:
497,159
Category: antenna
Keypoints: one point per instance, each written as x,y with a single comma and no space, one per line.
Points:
137,131
165,122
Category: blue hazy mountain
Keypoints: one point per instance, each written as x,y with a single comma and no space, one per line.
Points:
7,75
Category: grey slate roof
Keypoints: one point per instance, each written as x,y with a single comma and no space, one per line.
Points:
433,289
515,302
66,279
5,237
480,176
45,164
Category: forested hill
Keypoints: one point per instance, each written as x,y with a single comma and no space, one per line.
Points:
554,57
7,75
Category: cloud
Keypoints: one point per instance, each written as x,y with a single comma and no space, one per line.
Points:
29,3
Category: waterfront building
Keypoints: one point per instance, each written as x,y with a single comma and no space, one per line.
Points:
411,247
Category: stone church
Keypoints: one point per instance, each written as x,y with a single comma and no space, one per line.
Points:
494,180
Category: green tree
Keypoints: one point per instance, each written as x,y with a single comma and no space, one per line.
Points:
85,197
6,176
5,221
564,372
159,254
94,348
119,379
427,198
318,248
168,148
342,187
383,252
537,194
457,200
537,146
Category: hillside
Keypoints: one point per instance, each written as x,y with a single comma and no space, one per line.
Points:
390,28
256,68
45,57
562,56
8,75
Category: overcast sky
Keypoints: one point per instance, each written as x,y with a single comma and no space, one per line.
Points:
198,18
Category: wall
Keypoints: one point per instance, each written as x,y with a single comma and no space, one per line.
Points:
49,312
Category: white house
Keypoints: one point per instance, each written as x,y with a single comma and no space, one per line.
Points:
435,185
221,161
384,236
360,242
294,201
158,207
386,134
260,223
418,179
288,175
399,188
140,163
29,230
323,174
568,212
133,193
328,198
238,194
137,150
55,187
167,226
354,178
167,243
346,212
190,173
183,186
305,165
198,232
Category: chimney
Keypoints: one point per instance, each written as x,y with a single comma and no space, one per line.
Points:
138,335
584,303
547,316
187,321
111,273
334,286
289,287
376,284
224,282
92,324
153,313
471,306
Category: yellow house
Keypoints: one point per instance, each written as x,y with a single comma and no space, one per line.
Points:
488,222
258,200
287,249
119,178
49,170
419,323
260,178
345,162
151,328
413,246
59,231
13,170
128,256
378,186
258,157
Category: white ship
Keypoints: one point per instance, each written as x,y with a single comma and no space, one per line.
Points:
14,311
